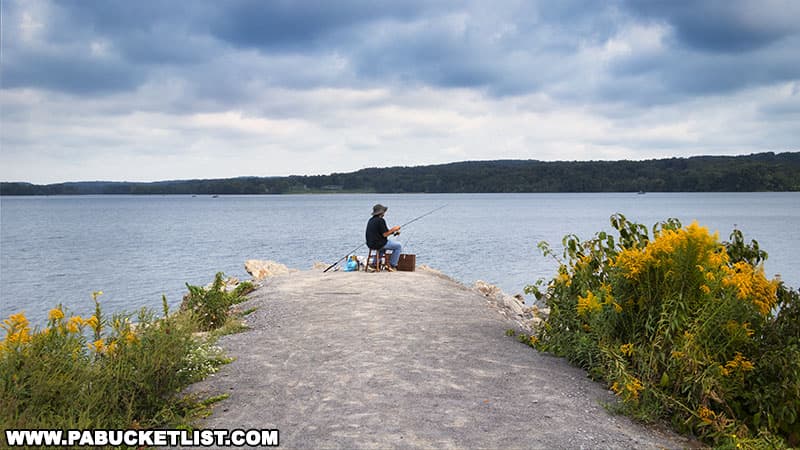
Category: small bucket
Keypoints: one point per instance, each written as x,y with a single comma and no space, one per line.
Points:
407,263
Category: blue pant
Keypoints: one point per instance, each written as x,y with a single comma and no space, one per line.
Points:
396,248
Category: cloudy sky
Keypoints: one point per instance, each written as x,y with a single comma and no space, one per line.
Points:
150,89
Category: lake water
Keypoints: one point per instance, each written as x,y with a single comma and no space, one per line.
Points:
136,248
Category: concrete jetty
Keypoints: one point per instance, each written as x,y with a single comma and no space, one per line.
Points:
405,360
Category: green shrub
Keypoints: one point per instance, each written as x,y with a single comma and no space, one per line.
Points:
773,399
211,305
125,378
681,326
83,373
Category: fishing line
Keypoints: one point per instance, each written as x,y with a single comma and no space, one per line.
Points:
408,242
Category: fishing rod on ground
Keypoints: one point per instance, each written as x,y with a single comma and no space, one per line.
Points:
343,257
394,234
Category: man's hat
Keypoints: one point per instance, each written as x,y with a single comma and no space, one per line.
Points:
378,209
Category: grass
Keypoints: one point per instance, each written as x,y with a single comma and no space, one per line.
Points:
234,324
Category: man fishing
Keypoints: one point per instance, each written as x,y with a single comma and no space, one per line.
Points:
378,236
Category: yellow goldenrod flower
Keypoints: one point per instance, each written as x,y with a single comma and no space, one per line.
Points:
634,387
15,320
588,304
98,346
661,252
706,415
608,298
74,324
751,285
583,261
746,366
626,349
705,289
739,362
665,242
20,337
17,329
130,338
92,322
718,258
632,261
55,314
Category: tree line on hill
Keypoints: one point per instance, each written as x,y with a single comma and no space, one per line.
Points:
750,173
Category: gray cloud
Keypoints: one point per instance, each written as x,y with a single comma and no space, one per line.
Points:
71,73
296,26
681,74
357,75
724,25
508,49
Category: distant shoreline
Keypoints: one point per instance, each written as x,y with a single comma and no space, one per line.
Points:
384,193
762,172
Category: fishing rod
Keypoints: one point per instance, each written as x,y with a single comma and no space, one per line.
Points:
395,234
343,257
420,217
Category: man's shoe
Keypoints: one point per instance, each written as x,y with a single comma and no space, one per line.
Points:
391,269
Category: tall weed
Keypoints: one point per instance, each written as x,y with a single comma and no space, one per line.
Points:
211,306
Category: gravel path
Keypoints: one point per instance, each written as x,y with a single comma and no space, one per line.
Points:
408,360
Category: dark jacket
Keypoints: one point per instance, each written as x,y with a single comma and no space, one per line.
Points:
376,227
